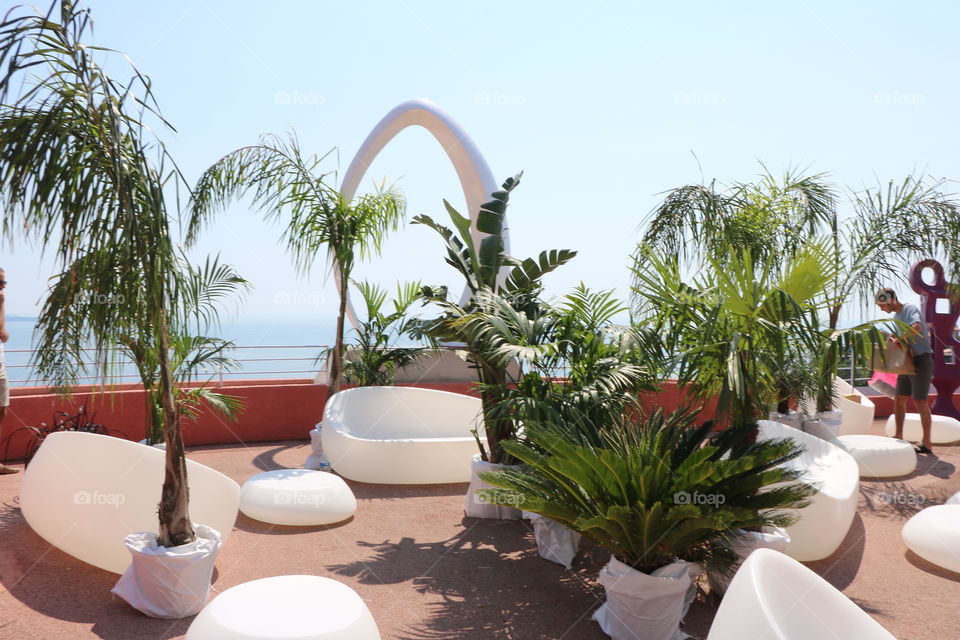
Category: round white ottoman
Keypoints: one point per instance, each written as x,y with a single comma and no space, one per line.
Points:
943,429
299,497
288,608
934,535
880,457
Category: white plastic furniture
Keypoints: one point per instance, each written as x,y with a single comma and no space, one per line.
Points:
880,457
943,429
298,497
773,597
286,608
84,493
401,435
857,415
934,535
823,524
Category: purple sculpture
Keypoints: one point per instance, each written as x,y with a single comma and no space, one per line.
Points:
946,348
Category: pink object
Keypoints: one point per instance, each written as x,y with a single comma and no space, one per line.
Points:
885,383
946,372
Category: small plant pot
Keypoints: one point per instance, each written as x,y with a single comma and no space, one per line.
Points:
171,582
158,445
555,542
642,606
474,505
317,460
824,425
775,538
793,419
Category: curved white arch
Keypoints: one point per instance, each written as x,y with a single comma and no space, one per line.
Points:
476,179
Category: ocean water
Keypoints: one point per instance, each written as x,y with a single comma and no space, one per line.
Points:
266,348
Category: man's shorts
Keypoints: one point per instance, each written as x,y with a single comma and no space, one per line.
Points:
917,386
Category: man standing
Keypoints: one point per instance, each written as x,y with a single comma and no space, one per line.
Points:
4,387
918,384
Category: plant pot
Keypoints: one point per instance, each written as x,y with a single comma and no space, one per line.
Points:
825,425
317,460
159,445
642,606
169,583
775,538
793,419
555,542
475,506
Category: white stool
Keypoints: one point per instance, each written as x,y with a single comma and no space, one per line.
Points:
880,457
943,429
284,607
934,535
299,497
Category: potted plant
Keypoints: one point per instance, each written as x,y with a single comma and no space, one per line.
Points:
79,164
659,493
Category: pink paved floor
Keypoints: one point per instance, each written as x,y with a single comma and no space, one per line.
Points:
428,573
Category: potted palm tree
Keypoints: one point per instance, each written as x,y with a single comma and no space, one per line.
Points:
659,493
78,164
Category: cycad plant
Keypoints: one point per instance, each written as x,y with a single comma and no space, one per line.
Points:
654,490
375,358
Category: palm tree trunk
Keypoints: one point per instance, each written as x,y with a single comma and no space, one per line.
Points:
175,526
336,364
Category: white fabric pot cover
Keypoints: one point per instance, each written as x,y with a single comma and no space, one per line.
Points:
793,419
317,460
555,542
775,538
825,425
169,583
475,506
641,606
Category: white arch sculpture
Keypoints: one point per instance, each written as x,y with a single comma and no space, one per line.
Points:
476,179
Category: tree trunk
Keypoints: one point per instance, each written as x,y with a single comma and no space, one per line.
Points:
175,526
336,362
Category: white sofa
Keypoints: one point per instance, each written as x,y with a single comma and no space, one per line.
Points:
857,416
775,598
401,435
824,523
84,493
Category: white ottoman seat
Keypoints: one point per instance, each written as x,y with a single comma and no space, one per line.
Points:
298,497
880,457
934,535
287,608
943,429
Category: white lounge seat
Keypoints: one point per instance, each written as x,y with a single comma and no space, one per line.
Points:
857,414
879,456
401,435
943,429
286,608
824,523
84,493
773,597
934,535
297,497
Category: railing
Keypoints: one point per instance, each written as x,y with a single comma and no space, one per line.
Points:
18,362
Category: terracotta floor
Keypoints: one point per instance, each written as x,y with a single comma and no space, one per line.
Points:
428,573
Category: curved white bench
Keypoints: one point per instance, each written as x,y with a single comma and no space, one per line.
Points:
943,429
857,415
401,435
776,598
879,456
297,497
84,493
934,535
824,523
285,608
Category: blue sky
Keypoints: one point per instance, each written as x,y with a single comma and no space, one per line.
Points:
604,106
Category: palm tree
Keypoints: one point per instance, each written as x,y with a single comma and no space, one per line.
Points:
78,164
279,178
